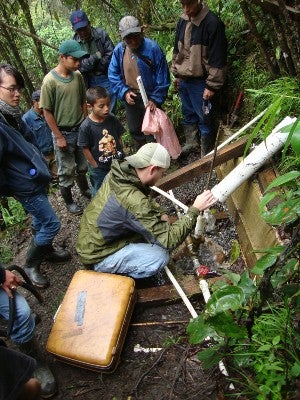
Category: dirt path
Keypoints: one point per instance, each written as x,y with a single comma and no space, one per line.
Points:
173,372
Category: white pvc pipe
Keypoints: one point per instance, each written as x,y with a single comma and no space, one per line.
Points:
181,293
172,198
142,90
252,162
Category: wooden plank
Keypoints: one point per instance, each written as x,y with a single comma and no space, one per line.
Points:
196,168
159,295
243,204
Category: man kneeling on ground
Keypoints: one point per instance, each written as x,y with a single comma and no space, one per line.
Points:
123,230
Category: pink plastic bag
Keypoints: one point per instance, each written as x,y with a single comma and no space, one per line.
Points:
158,124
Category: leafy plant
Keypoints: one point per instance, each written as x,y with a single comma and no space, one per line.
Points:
14,214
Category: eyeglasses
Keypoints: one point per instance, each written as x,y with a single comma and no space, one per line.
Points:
13,90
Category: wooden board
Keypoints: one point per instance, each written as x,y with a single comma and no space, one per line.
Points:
196,168
159,295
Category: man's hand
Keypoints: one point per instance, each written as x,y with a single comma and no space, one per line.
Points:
204,200
62,143
176,83
151,105
129,97
11,282
208,94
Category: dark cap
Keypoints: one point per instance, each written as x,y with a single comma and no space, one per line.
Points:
36,95
72,48
79,19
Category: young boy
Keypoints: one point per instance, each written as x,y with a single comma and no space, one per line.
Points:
64,105
100,136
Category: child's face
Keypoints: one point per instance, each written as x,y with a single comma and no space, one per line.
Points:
101,108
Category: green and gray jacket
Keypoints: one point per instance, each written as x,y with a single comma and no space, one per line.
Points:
122,212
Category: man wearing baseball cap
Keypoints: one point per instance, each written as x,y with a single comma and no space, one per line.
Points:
138,56
64,105
96,42
123,230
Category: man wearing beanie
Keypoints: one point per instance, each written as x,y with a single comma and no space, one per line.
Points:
123,230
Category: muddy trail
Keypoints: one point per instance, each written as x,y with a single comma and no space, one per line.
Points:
157,362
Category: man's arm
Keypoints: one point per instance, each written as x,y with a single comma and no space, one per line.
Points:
9,281
89,157
100,60
51,121
115,73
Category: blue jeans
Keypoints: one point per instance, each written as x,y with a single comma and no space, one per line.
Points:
102,80
97,176
138,260
24,324
69,161
191,95
44,220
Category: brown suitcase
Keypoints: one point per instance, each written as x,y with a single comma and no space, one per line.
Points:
92,321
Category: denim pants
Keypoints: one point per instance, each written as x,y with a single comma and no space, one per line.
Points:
97,176
191,95
134,116
45,222
102,80
138,260
70,161
24,324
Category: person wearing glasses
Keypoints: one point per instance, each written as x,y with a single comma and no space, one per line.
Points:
63,101
24,174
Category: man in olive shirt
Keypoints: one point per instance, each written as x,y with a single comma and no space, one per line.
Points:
64,105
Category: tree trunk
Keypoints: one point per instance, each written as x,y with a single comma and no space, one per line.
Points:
267,54
26,10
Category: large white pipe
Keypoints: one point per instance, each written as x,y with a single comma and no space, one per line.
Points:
252,162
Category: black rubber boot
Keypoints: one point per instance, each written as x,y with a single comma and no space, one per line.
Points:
58,255
207,143
83,185
35,256
42,372
191,133
67,196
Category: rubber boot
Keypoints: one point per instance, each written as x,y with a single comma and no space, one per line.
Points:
58,255
206,144
35,256
67,196
42,372
191,135
83,185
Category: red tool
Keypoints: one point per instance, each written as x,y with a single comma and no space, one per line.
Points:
233,115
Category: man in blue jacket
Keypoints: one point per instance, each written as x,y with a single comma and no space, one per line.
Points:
24,174
138,56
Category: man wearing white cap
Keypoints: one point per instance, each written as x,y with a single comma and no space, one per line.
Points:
123,230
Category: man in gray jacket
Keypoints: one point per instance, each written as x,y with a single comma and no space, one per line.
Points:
98,44
123,230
